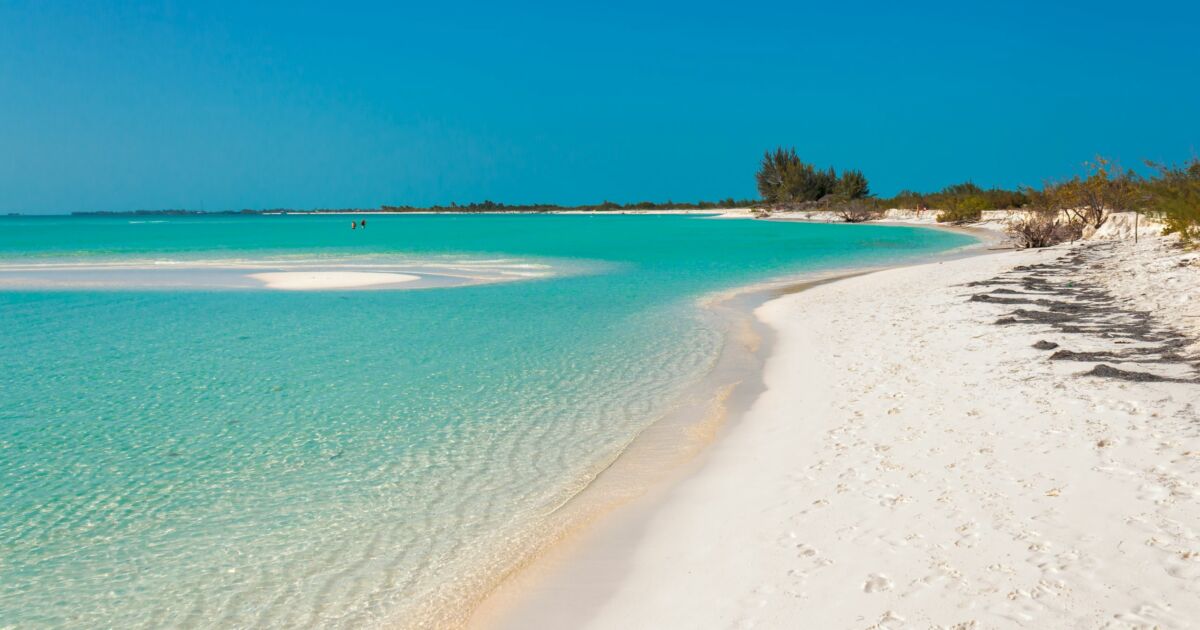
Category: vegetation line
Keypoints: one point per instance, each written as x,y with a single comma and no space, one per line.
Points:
1056,212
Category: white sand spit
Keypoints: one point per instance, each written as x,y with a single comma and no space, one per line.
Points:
912,464
324,280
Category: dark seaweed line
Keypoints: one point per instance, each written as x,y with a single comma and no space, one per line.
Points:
1074,306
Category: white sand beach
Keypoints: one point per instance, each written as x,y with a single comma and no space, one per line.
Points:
916,462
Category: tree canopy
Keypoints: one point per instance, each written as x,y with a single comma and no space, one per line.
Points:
783,178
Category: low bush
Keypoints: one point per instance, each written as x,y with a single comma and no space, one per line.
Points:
1106,189
1175,196
1043,229
856,210
964,209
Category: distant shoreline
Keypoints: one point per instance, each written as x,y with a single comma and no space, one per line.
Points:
991,229
377,211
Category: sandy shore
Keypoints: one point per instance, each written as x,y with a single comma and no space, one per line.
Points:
916,462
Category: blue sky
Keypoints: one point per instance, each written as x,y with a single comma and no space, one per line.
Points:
224,105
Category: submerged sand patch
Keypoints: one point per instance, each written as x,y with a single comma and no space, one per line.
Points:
283,273
323,280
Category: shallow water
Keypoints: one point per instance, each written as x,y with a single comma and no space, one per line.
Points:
206,457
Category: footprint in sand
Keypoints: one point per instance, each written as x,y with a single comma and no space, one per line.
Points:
889,620
877,583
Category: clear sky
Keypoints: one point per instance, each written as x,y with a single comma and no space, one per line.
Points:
229,105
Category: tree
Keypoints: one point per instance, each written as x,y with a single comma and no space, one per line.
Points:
783,178
803,182
770,177
853,185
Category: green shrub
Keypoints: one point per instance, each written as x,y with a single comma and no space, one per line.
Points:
963,209
1175,196
959,203
1106,189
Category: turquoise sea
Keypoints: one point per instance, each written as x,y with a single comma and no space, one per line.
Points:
216,456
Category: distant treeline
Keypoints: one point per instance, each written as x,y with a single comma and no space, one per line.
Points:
170,212
959,201
1057,211
787,182
1171,193
606,206
483,206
